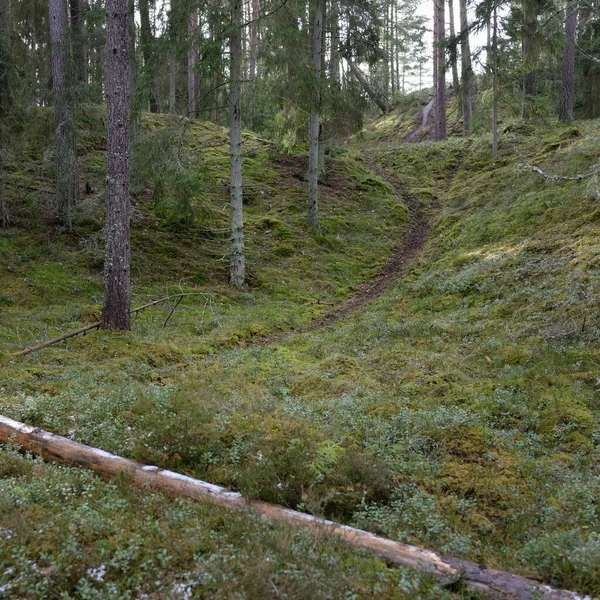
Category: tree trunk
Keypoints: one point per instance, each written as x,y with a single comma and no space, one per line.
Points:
133,117
237,269
335,43
147,41
192,60
530,52
440,105
568,66
117,284
468,85
453,50
313,128
252,58
436,69
172,81
78,40
495,83
65,157
375,97
5,98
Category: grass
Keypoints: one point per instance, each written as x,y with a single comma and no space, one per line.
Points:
460,411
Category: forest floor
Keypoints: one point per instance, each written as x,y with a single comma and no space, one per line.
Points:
431,373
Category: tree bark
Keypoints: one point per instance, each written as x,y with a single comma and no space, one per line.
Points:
172,81
530,53
78,40
65,157
375,97
568,66
147,41
134,115
117,284
453,50
334,20
5,98
440,105
192,61
313,127
495,82
468,84
237,269
252,58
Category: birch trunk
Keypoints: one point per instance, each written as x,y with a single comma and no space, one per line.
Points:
467,90
237,269
117,285
65,157
568,66
313,127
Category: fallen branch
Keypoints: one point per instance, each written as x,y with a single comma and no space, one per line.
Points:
97,325
490,582
525,165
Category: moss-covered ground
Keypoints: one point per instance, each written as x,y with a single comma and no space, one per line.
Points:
460,411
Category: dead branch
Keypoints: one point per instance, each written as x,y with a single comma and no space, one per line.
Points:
97,325
525,165
489,582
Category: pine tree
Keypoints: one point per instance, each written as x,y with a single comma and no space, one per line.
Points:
65,157
117,284
568,65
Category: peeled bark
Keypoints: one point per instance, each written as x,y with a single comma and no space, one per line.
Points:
313,127
147,40
78,40
117,284
237,268
440,90
375,97
192,61
468,84
568,66
490,583
65,157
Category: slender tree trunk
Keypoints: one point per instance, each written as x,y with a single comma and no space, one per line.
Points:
335,43
65,158
134,115
313,129
117,284
436,69
495,83
375,97
5,98
252,58
568,65
468,85
78,40
237,269
440,105
172,81
453,51
192,60
147,41
530,53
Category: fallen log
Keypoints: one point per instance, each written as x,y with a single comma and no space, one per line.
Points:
489,582
97,325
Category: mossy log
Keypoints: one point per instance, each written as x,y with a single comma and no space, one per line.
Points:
450,571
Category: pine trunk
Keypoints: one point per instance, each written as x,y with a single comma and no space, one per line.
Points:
252,57
65,158
530,53
568,66
237,270
78,40
495,83
440,105
192,60
147,41
313,128
375,97
335,44
468,86
4,98
133,117
117,284
453,50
